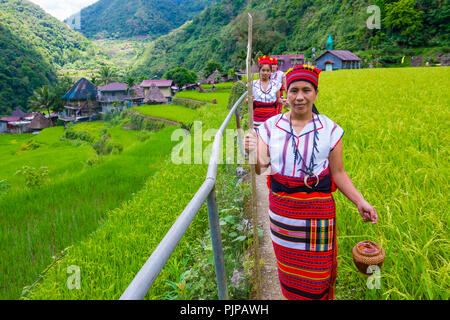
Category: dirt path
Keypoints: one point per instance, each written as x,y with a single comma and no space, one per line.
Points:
270,285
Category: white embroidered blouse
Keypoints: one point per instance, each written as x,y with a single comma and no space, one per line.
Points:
276,134
278,76
268,95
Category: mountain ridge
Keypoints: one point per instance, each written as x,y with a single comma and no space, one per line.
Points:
116,19
33,45
219,33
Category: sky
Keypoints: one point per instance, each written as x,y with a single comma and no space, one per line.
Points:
62,9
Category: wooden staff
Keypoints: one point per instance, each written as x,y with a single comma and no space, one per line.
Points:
252,156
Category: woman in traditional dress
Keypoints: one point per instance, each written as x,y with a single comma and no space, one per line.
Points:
279,76
266,93
304,151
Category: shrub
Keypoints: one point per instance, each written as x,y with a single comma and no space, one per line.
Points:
4,186
237,91
106,146
29,145
33,177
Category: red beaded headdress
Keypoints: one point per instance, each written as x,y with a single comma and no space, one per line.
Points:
274,61
264,60
303,73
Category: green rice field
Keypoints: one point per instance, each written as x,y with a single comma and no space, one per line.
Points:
37,223
111,256
170,112
111,216
221,85
396,124
221,96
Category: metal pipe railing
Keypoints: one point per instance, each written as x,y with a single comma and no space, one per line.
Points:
144,279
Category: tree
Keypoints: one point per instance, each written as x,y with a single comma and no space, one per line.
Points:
231,74
181,76
212,66
42,99
403,17
130,83
106,75
63,85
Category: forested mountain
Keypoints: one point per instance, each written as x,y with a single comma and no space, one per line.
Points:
297,26
131,18
32,45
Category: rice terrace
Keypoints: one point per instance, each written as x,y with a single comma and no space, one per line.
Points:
89,185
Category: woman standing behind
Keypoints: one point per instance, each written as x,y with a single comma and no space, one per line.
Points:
279,76
304,151
266,93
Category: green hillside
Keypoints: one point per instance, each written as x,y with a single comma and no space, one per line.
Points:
408,27
33,45
131,18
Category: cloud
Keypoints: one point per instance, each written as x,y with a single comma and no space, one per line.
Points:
62,9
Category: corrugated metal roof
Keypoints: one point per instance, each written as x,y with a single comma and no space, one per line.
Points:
114,86
289,56
158,83
344,55
10,119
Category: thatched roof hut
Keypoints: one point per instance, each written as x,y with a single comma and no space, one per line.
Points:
82,90
18,113
154,96
137,92
40,122
212,77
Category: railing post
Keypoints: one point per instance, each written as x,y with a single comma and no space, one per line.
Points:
239,133
219,263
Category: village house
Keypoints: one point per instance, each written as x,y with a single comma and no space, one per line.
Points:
117,95
16,122
40,122
3,126
137,95
215,77
155,96
81,102
20,122
165,86
338,59
287,61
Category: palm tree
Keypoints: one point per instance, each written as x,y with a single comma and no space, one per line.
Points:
42,99
130,83
106,75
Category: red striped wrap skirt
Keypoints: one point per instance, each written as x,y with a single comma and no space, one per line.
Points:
279,105
263,111
303,231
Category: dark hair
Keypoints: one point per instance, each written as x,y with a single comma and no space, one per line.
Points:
270,66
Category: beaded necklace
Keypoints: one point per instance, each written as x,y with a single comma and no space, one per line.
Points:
298,157
265,92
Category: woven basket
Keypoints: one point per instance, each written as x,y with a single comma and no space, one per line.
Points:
367,253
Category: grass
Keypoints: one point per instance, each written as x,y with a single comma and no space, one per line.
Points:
221,96
110,257
39,223
396,123
169,112
221,85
